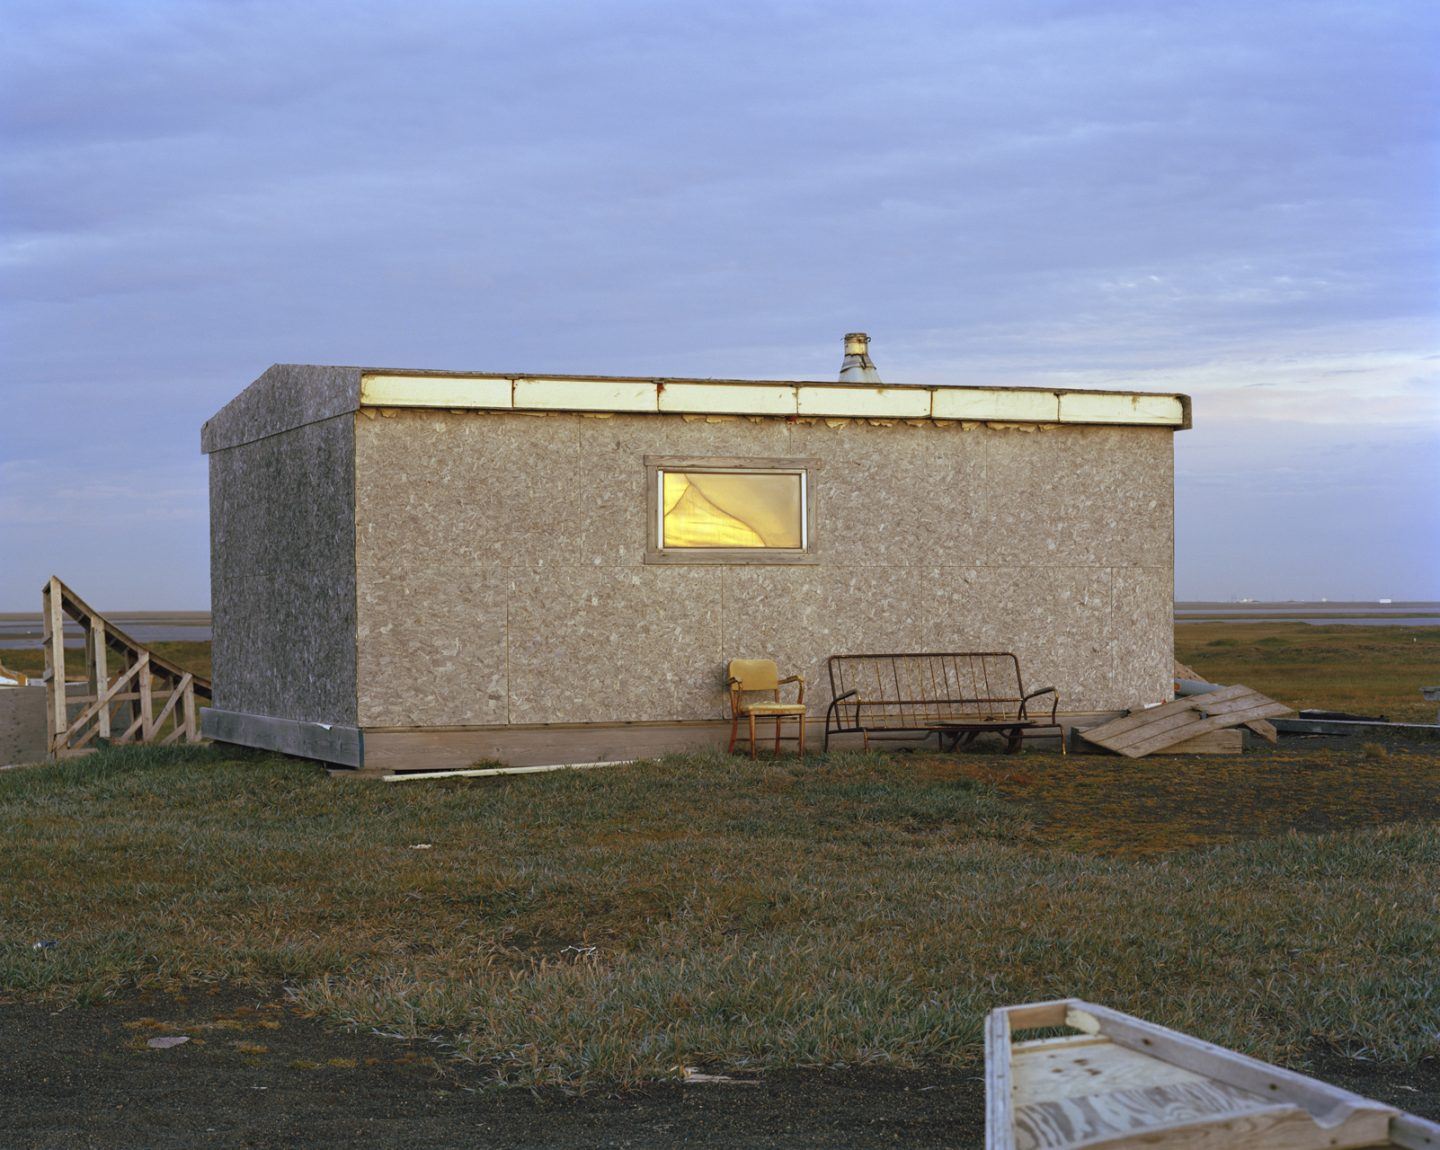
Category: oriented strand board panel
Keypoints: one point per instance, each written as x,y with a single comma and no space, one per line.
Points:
287,396
1091,496
282,574
428,658
493,550
608,644
898,496
1143,607
441,494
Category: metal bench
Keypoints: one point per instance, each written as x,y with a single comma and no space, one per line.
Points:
954,696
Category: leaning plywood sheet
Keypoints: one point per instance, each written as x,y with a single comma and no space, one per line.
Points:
1188,681
1120,1082
1141,732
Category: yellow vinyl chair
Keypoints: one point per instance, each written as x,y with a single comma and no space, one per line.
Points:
756,675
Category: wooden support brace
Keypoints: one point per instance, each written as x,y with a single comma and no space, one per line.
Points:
145,678
147,724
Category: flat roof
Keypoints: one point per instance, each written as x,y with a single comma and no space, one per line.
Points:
290,395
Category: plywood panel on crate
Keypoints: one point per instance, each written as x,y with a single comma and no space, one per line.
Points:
1126,1083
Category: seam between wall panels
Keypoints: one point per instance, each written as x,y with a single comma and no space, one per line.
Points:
1170,694
355,565
509,693
1112,640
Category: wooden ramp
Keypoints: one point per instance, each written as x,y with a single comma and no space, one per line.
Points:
143,699
1143,732
1123,1084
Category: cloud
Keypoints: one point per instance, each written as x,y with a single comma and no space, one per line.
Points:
1230,199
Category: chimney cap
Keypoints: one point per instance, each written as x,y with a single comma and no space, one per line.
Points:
858,367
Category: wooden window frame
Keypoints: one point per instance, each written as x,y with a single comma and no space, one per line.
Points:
734,556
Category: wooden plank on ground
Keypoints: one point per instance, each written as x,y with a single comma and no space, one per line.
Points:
1227,742
1149,716
1204,725
1156,728
1265,729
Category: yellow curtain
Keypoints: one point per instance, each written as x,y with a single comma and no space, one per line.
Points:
718,509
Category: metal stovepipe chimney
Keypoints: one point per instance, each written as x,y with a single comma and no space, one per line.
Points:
858,367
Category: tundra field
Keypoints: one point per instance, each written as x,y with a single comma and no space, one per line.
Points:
834,928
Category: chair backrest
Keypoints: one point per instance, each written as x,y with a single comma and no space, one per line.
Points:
755,674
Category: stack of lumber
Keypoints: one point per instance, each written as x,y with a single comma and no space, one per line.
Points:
1121,1082
1168,726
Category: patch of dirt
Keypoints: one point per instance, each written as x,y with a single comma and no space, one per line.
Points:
1413,1089
257,1074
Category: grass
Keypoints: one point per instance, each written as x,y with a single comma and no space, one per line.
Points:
193,657
1365,670
606,927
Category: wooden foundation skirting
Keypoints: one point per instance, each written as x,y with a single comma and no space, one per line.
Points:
391,750
328,742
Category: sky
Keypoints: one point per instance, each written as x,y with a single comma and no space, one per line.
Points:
1235,200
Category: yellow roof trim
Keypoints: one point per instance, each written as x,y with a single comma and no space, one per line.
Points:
770,397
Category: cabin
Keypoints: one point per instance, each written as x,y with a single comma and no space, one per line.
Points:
424,569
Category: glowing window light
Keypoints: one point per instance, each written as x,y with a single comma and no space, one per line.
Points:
742,509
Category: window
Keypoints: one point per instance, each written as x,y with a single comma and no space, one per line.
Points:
729,510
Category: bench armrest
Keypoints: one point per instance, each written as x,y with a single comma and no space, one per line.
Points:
1054,702
834,707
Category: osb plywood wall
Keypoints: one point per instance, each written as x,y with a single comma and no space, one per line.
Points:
282,573
500,574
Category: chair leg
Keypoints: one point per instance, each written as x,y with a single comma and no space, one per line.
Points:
734,723
752,734
802,736
778,720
